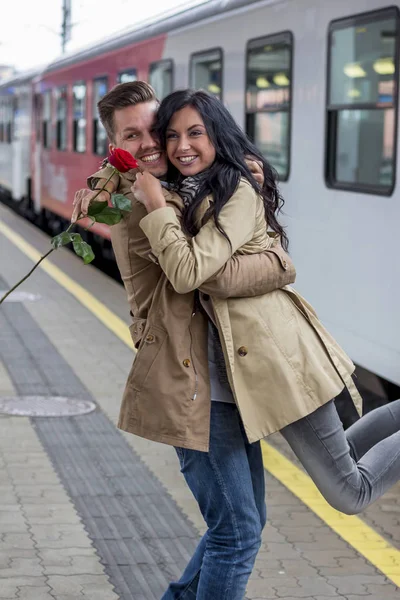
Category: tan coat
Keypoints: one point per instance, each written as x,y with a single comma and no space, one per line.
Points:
282,363
167,396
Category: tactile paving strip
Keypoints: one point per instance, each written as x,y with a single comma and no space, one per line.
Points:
44,406
143,539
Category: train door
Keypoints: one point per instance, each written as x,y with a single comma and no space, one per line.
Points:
37,152
20,144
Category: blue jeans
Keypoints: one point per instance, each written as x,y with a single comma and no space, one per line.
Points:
228,484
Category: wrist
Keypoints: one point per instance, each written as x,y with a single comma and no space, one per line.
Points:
155,203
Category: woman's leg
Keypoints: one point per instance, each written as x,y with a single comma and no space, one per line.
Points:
349,479
224,486
372,428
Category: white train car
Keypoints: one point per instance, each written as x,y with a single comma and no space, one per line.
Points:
16,102
315,85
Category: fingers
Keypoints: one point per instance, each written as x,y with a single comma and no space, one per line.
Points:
81,203
259,177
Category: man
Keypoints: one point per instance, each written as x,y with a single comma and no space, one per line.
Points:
168,396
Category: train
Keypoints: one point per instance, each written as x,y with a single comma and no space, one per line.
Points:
314,83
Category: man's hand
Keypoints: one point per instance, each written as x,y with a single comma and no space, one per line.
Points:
148,191
83,199
256,170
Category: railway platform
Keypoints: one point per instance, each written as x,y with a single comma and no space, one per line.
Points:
88,512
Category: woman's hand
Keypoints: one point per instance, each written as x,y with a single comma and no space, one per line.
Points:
148,190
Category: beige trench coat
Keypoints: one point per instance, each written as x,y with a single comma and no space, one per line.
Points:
167,395
282,363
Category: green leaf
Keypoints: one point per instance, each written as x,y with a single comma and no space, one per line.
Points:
109,216
122,202
83,250
96,207
62,239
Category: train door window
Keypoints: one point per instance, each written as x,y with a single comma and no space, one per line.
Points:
363,71
46,120
161,77
206,71
79,116
4,119
99,133
37,115
61,118
129,75
269,98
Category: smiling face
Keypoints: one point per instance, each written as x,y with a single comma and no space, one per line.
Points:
134,131
189,147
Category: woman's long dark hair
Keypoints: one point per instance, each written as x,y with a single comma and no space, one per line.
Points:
231,147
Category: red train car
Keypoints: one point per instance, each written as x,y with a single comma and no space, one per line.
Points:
68,140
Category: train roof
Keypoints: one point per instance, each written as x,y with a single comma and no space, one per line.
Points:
161,24
21,78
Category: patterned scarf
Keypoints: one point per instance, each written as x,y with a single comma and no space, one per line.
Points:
188,187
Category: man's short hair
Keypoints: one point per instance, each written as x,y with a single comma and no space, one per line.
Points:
121,96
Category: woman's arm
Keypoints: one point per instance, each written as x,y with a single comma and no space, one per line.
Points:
189,264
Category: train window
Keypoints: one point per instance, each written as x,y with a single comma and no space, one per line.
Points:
129,75
61,118
362,102
161,77
10,121
206,71
79,116
99,133
46,120
269,98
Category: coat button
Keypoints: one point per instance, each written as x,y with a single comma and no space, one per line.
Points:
186,363
150,338
242,351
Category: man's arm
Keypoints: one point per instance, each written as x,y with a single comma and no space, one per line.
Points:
252,275
95,182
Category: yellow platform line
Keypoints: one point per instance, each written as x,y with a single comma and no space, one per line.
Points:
100,310
353,530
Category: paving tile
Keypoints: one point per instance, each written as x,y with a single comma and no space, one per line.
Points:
10,587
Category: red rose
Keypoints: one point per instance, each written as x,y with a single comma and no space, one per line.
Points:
122,160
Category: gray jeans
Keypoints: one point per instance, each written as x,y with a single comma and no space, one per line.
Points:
351,468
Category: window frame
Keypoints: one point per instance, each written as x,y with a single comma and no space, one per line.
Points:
74,136
132,70
209,51
263,40
160,62
332,110
60,89
104,78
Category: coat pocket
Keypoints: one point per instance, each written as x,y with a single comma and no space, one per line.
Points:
136,330
149,349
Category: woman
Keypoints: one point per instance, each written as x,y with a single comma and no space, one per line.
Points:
283,368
